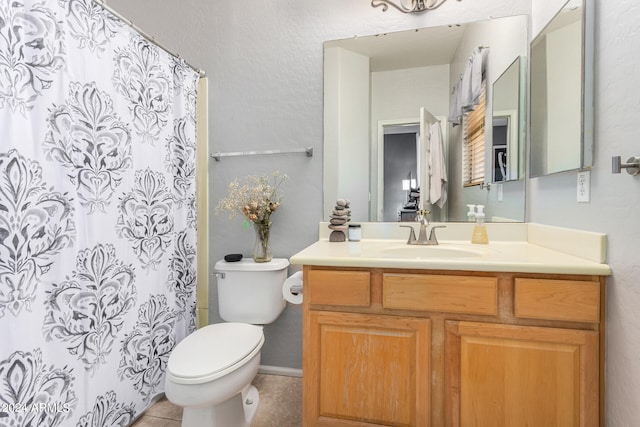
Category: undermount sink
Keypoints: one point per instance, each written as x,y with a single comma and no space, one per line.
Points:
436,251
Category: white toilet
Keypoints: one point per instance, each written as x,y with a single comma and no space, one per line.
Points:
209,373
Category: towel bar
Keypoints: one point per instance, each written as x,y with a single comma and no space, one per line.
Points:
308,151
632,166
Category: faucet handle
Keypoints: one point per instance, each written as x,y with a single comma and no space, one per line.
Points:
422,216
412,235
432,234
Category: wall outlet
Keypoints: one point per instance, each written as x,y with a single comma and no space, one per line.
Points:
584,186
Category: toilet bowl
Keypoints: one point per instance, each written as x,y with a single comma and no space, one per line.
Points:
213,386
209,373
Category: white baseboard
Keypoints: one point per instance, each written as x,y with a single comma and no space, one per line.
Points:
278,370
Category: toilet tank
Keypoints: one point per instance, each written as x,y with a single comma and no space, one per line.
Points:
251,292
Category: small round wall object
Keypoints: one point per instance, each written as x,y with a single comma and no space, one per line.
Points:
355,232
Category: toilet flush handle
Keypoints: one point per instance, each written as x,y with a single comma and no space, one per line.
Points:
218,274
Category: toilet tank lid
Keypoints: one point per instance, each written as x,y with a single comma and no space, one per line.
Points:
248,264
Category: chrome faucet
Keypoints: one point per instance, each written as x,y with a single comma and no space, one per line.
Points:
422,218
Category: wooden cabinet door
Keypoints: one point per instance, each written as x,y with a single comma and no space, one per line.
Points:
501,375
365,370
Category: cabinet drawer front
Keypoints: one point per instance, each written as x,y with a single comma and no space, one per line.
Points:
346,288
571,300
454,294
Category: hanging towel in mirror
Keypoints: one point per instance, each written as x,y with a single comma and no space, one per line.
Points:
437,167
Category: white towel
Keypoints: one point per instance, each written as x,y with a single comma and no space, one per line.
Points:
466,92
454,108
437,167
465,97
476,77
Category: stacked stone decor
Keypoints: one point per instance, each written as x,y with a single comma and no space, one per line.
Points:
339,218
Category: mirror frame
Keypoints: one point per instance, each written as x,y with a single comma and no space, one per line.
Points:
587,88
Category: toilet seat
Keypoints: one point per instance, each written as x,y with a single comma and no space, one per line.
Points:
213,351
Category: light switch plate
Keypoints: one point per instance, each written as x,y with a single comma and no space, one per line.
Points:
584,186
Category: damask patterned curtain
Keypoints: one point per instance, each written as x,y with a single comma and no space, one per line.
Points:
97,214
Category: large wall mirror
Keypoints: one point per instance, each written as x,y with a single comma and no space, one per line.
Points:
562,92
375,88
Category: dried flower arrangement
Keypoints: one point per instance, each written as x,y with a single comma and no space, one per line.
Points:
256,197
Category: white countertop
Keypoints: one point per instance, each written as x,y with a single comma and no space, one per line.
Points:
499,255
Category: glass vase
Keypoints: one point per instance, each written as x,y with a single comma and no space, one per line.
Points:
262,248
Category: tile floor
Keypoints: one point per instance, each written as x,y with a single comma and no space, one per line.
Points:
280,405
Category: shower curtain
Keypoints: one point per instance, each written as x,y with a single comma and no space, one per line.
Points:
97,214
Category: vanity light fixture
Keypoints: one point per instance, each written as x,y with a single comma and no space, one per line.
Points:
408,6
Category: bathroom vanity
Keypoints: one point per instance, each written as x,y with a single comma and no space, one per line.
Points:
508,334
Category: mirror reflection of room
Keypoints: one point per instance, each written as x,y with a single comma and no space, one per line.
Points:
373,82
507,123
410,208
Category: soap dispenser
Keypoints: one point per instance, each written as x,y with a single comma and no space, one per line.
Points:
471,215
480,230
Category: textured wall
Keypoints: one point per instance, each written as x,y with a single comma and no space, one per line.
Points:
265,64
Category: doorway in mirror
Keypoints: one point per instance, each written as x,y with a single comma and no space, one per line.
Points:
400,171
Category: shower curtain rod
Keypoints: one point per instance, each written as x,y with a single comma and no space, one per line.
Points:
150,38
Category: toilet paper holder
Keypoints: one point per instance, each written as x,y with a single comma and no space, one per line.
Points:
292,288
